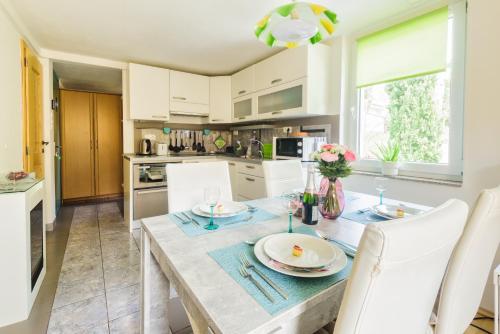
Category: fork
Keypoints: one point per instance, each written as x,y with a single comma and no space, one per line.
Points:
246,274
191,219
249,265
183,221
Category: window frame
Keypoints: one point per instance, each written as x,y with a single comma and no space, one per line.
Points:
452,171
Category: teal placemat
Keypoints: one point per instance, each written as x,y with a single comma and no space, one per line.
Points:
363,217
259,215
299,289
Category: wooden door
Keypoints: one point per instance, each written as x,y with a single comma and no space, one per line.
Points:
33,114
108,139
77,145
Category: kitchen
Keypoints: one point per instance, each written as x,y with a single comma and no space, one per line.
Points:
121,106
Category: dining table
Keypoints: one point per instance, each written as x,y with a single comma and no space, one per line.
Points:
214,300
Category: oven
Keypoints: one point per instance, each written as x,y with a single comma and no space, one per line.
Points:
150,190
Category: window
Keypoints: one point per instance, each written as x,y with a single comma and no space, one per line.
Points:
408,90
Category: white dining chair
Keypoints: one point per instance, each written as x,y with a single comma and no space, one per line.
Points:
398,270
469,267
187,182
282,176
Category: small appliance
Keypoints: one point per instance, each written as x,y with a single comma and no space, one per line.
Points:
145,147
296,147
161,149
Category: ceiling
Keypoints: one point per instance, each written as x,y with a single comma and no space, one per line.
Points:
203,36
88,77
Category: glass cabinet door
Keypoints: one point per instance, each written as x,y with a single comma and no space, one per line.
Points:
242,109
288,98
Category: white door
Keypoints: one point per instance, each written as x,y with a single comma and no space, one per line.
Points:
242,83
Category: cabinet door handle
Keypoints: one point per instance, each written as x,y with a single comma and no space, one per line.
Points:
231,164
158,116
276,112
242,92
179,98
249,179
250,167
243,117
217,120
145,192
275,81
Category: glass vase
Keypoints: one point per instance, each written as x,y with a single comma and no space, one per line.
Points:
332,202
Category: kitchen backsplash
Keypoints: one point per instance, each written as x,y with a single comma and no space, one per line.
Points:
321,126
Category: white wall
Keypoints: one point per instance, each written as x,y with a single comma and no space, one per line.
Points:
481,124
10,97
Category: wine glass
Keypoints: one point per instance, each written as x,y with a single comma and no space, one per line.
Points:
381,186
291,202
212,195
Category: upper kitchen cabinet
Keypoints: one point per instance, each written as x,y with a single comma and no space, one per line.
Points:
220,100
189,94
148,93
286,66
296,83
242,83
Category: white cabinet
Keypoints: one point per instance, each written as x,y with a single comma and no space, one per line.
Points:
220,100
189,94
148,93
297,83
251,187
242,83
244,109
286,66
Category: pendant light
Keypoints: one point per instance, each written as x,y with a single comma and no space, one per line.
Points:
295,24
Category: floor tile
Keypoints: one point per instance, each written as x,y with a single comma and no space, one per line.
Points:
71,292
125,258
88,269
121,276
79,316
125,325
122,302
101,329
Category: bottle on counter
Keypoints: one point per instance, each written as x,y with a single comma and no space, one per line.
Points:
310,199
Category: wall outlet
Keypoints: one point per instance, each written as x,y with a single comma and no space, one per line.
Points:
287,129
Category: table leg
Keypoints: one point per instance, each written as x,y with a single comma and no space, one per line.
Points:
145,281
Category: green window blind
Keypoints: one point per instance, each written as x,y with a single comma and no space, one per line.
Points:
412,48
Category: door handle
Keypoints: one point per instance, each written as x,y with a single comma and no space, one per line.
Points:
145,192
179,98
276,112
250,167
249,179
242,92
45,143
275,81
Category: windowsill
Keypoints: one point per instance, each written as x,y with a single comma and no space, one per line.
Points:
412,178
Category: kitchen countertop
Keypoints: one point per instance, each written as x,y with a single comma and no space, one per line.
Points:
134,158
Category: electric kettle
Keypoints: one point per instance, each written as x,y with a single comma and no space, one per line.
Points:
145,147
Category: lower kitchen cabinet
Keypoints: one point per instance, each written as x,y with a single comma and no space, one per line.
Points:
251,187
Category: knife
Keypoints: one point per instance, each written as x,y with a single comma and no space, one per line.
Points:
181,219
191,219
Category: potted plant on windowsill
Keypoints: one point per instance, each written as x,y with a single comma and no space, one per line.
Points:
388,155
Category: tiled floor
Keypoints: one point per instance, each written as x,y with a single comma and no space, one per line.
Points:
98,289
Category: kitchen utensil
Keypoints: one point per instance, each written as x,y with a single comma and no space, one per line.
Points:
182,147
198,143
170,140
183,220
249,265
203,149
339,263
193,220
161,149
193,144
246,274
145,147
348,249
177,149
316,252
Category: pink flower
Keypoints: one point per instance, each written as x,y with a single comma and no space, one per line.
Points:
350,156
327,147
329,157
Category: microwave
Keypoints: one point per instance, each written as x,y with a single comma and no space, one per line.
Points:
296,147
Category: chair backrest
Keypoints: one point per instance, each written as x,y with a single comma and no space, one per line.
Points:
470,265
187,183
282,176
398,270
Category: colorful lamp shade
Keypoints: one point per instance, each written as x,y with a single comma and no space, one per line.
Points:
295,24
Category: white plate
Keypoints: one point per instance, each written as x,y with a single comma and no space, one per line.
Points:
224,208
337,265
390,211
316,252
197,211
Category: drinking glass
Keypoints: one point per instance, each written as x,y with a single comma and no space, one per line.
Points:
291,202
212,195
381,186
